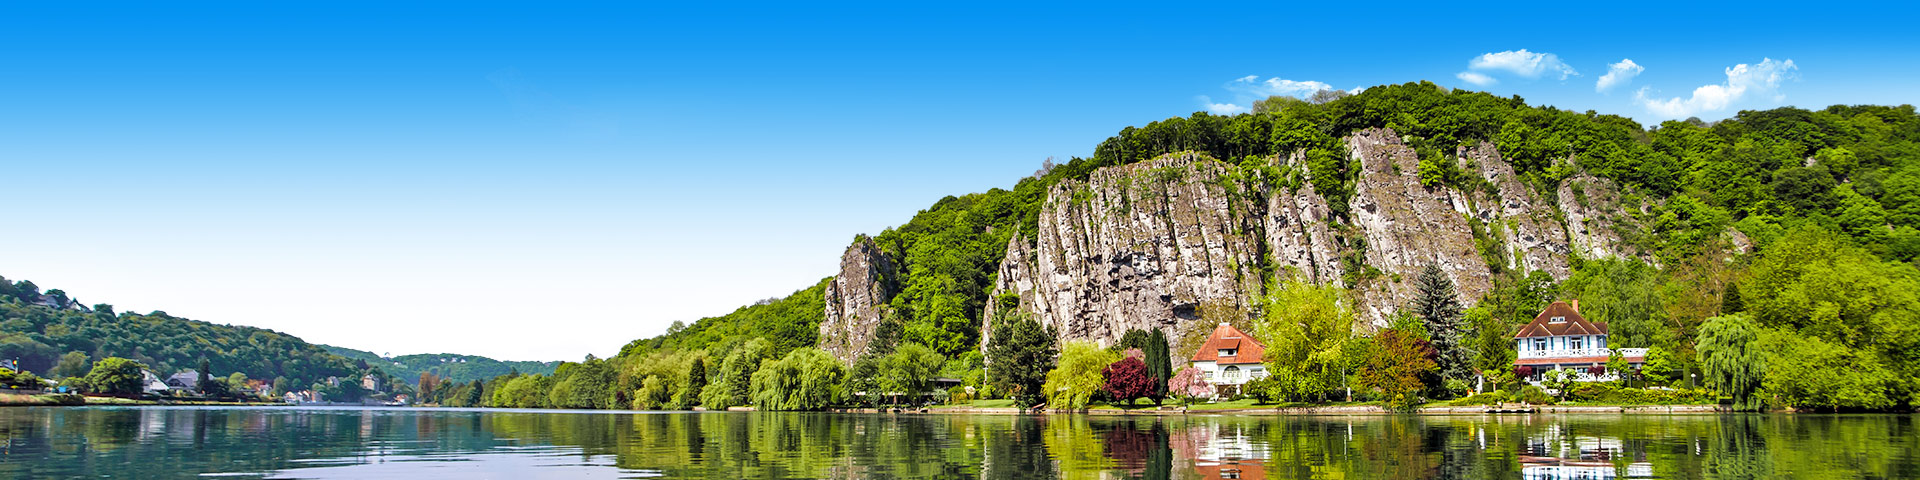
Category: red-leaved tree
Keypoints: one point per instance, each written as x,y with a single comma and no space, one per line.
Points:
1127,380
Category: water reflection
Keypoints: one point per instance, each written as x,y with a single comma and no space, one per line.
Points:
395,443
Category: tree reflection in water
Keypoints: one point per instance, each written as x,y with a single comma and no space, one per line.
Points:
350,443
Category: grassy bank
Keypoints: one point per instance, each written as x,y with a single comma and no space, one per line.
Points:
40,400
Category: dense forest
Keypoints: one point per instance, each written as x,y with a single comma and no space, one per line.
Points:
1773,261
452,366
40,328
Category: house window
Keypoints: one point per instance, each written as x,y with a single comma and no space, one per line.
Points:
1232,373
1228,352
1557,320
1539,344
1575,343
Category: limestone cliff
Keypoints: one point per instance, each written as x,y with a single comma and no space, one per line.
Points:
856,300
1145,245
1137,246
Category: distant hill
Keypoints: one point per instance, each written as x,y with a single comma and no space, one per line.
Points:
459,368
39,329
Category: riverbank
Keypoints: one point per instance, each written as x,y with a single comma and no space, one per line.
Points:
1289,410
75,400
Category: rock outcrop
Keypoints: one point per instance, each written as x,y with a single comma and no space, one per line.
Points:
1594,215
856,300
1405,226
1146,245
1138,246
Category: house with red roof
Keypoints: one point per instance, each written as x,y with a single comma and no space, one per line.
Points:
1230,358
1561,339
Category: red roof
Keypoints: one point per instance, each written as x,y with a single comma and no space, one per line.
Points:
1225,337
1571,323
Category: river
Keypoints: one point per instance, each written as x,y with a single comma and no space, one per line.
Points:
330,443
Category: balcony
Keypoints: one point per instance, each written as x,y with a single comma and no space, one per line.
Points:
1582,352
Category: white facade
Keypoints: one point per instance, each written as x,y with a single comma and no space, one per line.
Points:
1234,374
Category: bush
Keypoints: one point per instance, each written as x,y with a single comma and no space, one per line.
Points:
1535,395
1262,389
1489,398
1613,394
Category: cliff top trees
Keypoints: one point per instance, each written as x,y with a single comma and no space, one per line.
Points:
1019,357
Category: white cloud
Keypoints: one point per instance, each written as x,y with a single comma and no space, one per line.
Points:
1222,108
1253,85
1618,74
1762,78
1523,63
1476,78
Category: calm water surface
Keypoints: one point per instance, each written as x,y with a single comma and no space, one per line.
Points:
161,442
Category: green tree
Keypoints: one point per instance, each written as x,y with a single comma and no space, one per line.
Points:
206,377
1072,384
73,364
115,376
1019,358
1396,366
1437,303
1307,328
806,379
734,383
696,382
652,394
1732,359
910,368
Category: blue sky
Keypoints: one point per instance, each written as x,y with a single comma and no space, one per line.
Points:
541,181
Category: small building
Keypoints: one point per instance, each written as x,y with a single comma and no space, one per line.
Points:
152,384
185,380
1560,339
370,383
1229,358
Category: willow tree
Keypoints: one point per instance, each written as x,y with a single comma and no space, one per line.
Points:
806,379
1307,328
1731,359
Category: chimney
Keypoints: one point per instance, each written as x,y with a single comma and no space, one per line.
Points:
1576,305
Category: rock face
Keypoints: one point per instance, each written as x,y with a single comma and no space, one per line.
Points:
1405,226
1137,246
1299,230
856,300
1594,215
1146,245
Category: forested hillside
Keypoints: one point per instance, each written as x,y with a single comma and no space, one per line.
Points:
451,366
52,336
1795,227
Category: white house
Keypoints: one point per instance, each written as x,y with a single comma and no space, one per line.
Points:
151,383
1230,358
1560,339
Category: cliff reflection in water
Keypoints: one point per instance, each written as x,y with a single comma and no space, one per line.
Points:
350,443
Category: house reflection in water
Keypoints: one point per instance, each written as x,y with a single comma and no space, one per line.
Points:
1559,455
1222,451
